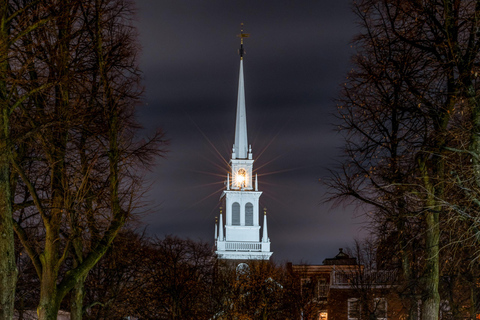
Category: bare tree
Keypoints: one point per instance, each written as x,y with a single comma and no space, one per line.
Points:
180,277
113,288
409,111
15,24
77,156
255,290
373,282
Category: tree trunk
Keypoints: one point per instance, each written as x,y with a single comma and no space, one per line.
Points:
49,303
48,307
47,310
431,276
431,304
8,269
76,304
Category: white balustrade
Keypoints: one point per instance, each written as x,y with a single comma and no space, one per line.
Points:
243,246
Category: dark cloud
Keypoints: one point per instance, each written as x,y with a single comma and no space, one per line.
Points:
297,56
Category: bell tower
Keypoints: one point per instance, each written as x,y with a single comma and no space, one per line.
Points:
242,229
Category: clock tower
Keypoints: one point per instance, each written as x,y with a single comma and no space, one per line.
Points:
239,238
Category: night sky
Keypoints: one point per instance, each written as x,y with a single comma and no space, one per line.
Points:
296,58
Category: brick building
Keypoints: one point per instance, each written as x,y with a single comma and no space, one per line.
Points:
341,289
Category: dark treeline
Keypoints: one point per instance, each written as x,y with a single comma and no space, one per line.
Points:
173,278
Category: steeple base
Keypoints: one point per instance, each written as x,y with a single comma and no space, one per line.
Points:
228,255
244,250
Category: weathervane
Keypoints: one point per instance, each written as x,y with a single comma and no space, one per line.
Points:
241,36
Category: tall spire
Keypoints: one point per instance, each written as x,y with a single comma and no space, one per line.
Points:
241,141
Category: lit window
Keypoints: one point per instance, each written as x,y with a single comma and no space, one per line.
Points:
241,178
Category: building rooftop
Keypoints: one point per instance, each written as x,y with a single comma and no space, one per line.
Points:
340,259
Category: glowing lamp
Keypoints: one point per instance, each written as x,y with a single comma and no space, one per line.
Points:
241,178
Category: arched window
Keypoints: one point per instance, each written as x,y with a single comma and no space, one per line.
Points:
249,214
236,214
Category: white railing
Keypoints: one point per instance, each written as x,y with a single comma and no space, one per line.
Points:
243,246
383,277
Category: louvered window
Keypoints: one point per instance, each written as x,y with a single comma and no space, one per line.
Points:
236,214
249,214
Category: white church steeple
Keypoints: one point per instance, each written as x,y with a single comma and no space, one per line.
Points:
241,139
242,230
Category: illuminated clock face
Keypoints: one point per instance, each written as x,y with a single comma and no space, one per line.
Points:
241,178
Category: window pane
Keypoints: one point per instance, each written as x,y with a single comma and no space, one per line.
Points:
353,309
380,308
322,288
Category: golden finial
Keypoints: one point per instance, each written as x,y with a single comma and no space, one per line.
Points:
265,211
241,36
221,210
